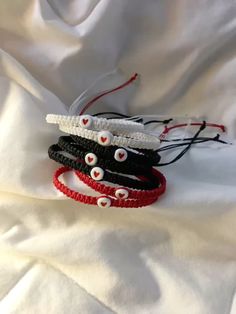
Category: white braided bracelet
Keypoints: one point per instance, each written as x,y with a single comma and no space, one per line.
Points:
105,138
94,123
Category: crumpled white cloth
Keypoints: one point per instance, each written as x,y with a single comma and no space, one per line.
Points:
58,256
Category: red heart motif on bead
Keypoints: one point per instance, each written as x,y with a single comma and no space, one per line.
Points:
121,195
103,139
103,203
121,155
96,174
85,121
90,159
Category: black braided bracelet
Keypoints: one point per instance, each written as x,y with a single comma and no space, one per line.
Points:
126,167
138,156
97,173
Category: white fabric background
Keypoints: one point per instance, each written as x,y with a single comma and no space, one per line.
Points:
57,256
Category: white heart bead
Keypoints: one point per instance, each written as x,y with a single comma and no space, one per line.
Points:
105,138
97,173
90,159
85,121
121,193
120,155
104,202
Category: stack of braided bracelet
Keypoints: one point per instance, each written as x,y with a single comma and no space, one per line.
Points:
117,151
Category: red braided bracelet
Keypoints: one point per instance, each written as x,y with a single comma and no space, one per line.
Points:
102,201
123,193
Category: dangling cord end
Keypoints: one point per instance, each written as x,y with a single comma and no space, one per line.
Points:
223,128
133,78
167,121
217,139
203,126
163,134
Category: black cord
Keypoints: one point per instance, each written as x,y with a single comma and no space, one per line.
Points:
167,121
118,116
110,112
216,139
196,141
184,151
136,118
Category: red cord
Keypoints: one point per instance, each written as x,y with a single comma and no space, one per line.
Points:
133,78
133,194
167,129
93,200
